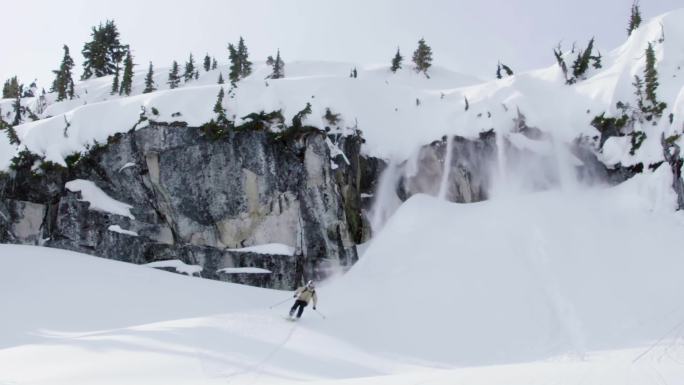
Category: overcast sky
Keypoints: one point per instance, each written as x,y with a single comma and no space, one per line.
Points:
466,35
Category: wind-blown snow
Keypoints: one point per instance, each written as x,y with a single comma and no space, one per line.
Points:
98,199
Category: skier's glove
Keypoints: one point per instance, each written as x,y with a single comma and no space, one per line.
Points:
314,307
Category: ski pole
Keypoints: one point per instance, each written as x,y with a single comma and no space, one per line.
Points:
279,303
319,313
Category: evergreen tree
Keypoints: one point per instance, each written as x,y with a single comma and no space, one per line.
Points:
245,64
104,52
278,66
218,107
127,81
498,70
240,66
220,79
652,105
30,91
115,81
581,64
63,84
558,53
634,18
149,80
18,109
300,116
422,57
189,69
11,133
507,69
207,62
11,88
639,91
234,71
214,64
174,78
396,61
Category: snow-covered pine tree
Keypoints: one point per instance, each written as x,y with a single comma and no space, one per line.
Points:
115,81
214,64
218,107
652,106
189,69
396,61
207,63
11,133
127,80
558,54
234,70
634,18
220,79
174,78
422,57
278,67
639,91
104,52
581,64
149,80
63,84
18,109
11,88
245,64
299,116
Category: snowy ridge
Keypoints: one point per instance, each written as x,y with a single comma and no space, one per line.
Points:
414,109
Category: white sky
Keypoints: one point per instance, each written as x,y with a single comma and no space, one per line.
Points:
465,35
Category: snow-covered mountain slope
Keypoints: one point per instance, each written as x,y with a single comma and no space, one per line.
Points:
396,112
555,287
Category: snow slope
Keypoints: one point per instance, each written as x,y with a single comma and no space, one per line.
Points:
396,112
554,287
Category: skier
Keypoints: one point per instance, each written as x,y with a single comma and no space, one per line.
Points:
304,295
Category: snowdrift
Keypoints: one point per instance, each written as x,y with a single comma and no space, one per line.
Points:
585,285
518,278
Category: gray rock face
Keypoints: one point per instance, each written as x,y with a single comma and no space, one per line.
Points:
672,155
21,222
469,169
194,198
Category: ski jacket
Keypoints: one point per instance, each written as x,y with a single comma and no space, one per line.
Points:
307,295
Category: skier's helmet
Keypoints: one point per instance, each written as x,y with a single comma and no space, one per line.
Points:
310,284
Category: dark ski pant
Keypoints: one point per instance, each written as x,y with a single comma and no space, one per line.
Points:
298,304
